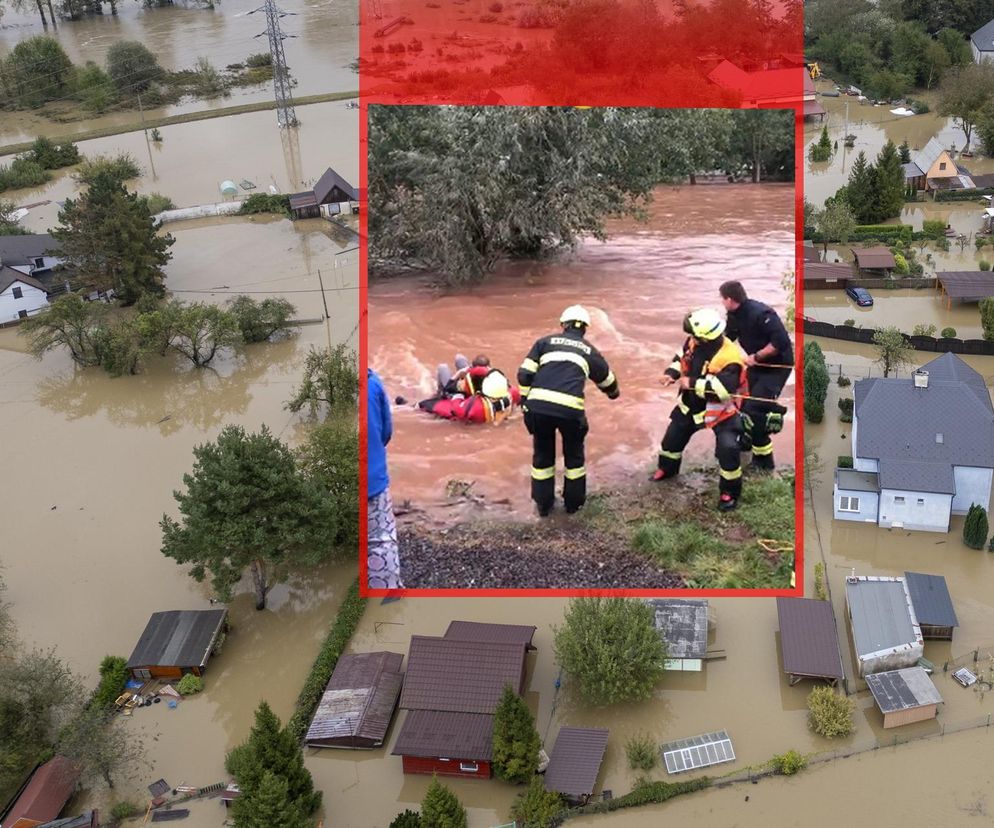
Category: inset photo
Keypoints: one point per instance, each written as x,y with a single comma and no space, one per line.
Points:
580,348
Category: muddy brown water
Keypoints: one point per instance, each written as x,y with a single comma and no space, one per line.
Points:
638,286
324,44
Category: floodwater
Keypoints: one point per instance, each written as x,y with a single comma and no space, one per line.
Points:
873,126
93,467
638,286
193,159
322,45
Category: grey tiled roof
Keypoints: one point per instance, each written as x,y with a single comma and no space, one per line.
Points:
683,625
178,638
912,170
20,250
930,598
902,689
983,38
929,154
919,434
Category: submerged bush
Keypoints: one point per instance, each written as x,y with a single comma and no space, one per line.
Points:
190,684
641,752
829,714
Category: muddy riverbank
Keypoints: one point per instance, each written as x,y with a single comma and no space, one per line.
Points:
638,285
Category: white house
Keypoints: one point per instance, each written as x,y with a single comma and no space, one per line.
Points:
982,43
20,295
32,255
922,448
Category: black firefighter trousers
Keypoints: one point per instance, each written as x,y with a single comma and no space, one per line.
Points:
543,429
726,436
767,383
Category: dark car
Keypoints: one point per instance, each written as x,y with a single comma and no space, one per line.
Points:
861,296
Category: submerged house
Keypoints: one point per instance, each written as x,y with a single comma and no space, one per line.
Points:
885,630
358,703
922,448
933,168
177,642
328,194
21,296
451,689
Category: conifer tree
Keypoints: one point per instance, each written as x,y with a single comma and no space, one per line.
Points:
441,809
268,805
515,742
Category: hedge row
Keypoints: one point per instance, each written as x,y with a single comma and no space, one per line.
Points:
651,794
334,644
963,195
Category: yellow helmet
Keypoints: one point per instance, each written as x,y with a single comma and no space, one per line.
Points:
575,313
704,324
495,386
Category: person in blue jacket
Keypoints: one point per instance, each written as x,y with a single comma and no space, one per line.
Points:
383,557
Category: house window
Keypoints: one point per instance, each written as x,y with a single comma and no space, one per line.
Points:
848,504
22,314
39,263
921,501
469,767
18,293
942,165
898,499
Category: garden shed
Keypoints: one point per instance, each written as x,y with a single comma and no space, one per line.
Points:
933,605
904,696
177,642
885,630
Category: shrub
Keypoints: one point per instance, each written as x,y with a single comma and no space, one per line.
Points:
819,153
113,677
948,333
843,381
209,83
850,323
190,685
901,265
923,330
789,763
265,203
933,228
124,810
441,809
985,265
536,807
980,241
121,168
815,382
131,66
641,752
821,592
94,88
259,61
51,156
844,462
406,819
22,172
829,714
975,527
155,135
157,203
846,407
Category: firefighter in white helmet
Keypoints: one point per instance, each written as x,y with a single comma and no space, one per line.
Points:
710,371
552,379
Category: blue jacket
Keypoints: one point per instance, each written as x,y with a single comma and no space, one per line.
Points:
380,429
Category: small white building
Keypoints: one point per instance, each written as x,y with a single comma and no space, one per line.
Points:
982,43
20,296
885,630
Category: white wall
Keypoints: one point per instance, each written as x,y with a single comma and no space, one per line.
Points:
973,485
30,301
930,515
868,502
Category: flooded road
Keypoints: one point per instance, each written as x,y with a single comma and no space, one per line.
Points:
873,126
638,286
324,44
193,159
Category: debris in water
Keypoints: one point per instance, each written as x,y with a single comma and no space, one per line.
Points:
245,184
53,508
167,417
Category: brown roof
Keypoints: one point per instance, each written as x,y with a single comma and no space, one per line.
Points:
460,676
874,257
827,270
499,633
811,254
360,699
808,638
576,760
434,733
45,795
967,284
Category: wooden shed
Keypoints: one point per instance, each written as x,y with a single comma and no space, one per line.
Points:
904,696
826,275
874,261
933,606
330,189
177,642
575,762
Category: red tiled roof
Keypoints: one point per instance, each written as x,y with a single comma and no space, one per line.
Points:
501,633
576,760
433,733
46,794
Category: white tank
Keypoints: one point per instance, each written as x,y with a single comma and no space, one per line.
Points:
229,188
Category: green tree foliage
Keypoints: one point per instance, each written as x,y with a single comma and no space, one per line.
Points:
51,156
886,85
975,528
764,137
888,184
258,321
956,46
610,649
104,749
202,329
10,226
330,456
822,149
190,685
536,807
789,763
113,677
271,752
246,506
118,168
815,382
69,323
209,82
965,93
860,190
641,750
905,151
829,714
836,223
22,172
406,819
441,809
987,318
265,203
94,88
36,70
331,378
132,67
516,743
108,241
948,333
893,349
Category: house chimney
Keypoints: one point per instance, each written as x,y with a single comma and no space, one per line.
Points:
921,378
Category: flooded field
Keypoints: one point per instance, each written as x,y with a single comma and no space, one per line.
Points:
873,126
638,286
320,54
193,159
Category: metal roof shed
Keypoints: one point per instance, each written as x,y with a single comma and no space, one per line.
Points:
683,624
808,640
575,762
933,606
176,642
885,631
904,696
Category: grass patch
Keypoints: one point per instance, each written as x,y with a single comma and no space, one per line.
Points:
677,544
767,507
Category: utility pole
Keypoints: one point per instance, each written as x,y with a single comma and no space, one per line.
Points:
286,116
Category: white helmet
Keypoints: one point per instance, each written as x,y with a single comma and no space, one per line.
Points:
575,313
494,386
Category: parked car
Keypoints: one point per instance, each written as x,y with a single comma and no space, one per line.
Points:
861,296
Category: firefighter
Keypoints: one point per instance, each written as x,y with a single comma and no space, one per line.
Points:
551,381
762,335
710,372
